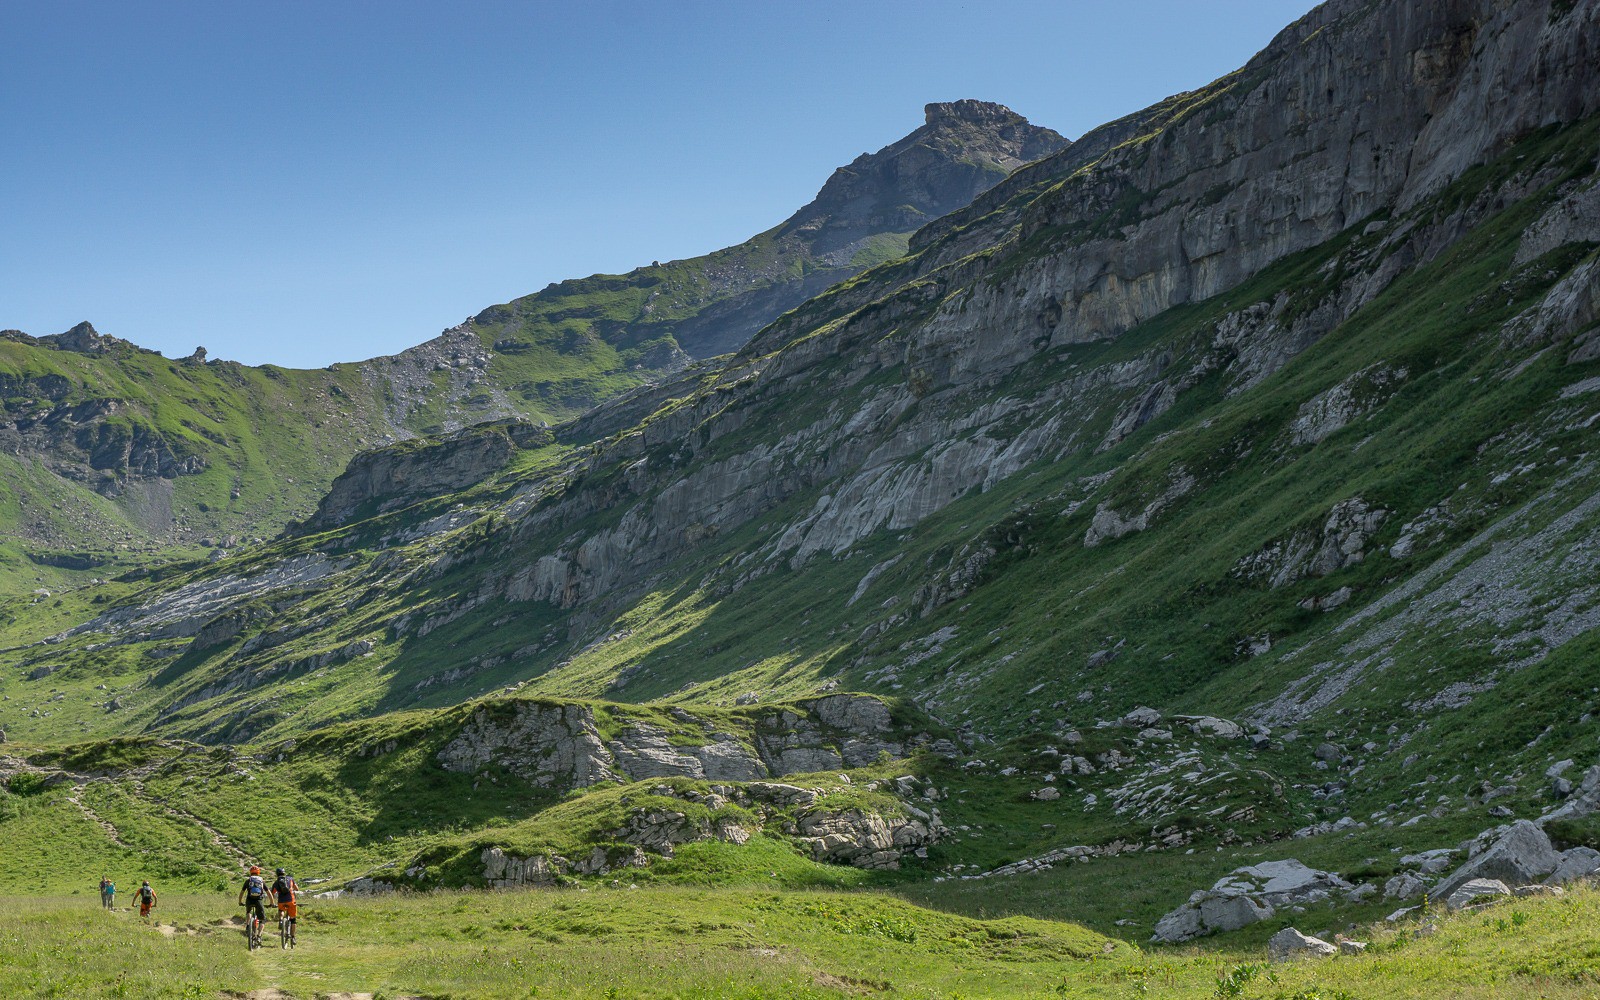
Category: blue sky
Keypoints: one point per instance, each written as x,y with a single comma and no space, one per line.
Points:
304,183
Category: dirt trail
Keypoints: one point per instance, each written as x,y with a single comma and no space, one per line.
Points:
217,837
96,818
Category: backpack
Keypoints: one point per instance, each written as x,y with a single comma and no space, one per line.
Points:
147,894
254,886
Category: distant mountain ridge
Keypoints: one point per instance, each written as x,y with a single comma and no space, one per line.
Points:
113,455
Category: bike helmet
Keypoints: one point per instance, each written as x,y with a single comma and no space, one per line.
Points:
255,870
280,871
146,881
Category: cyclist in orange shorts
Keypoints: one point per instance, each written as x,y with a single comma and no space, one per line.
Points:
287,894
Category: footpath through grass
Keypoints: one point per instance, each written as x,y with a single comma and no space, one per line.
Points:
743,943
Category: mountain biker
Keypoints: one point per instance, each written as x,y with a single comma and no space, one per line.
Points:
147,899
288,894
108,892
251,895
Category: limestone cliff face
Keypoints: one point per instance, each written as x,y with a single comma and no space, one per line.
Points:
1343,115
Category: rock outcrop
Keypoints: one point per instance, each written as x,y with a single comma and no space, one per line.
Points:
1289,945
1517,854
865,839
733,813
560,745
383,479
1246,896
551,745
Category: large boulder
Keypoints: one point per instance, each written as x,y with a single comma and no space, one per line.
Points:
1516,854
1579,862
1406,885
1477,890
1142,718
1206,725
1247,895
1289,945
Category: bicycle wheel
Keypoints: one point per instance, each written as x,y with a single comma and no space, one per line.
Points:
283,931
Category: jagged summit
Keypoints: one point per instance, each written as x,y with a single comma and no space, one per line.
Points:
82,338
963,149
968,110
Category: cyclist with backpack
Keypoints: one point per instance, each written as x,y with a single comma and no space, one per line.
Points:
147,899
288,894
251,896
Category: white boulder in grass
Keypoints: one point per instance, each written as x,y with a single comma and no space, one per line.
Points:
1478,890
1289,945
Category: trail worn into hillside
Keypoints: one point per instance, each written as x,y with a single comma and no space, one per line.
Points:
218,838
97,819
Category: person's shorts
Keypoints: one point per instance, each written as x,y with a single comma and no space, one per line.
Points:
144,909
289,909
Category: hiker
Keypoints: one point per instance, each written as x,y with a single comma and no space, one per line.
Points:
108,892
147,899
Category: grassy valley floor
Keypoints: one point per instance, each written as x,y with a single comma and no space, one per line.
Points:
620,941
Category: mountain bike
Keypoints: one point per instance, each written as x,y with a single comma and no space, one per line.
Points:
285,930
252,931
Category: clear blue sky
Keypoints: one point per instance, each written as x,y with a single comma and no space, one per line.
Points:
304,183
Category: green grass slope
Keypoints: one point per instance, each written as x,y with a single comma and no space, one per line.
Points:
648,942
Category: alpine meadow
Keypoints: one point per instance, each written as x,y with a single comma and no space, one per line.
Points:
1162,563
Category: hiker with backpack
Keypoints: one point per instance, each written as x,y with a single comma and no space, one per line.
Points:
147,899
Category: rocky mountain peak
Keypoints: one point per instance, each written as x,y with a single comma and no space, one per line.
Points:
83,339
969,111
964,148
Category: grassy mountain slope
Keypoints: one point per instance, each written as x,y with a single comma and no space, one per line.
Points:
118,455
754,945
1303,464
